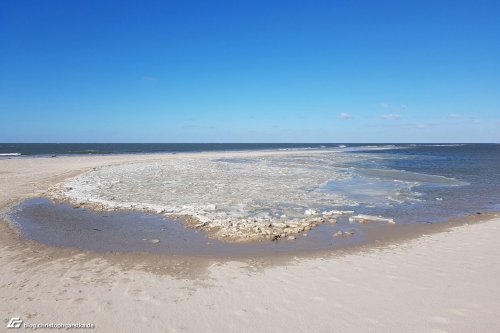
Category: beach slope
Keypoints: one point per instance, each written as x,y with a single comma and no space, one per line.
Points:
441,282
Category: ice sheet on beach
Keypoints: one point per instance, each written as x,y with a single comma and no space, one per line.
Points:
233,197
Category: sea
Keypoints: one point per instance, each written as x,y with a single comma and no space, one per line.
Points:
43,149
475,167
431,183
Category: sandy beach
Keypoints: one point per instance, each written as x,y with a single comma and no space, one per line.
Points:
438,282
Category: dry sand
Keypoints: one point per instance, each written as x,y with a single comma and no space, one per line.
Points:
442,282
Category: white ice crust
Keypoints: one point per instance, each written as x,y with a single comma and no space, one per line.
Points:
238,199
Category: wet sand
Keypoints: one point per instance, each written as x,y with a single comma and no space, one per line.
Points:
61,225
442,281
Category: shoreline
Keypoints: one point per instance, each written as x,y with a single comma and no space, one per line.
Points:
375,237
250,196
375,234
444,280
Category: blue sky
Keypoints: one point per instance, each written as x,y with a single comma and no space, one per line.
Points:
249,71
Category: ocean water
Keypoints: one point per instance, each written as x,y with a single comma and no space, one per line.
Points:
410,183
19,149
449,180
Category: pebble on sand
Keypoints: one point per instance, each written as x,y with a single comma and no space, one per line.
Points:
343,233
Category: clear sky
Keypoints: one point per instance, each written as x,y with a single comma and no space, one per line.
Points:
249,71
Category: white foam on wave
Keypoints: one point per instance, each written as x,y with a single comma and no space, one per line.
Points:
375,148
446,145
10,154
